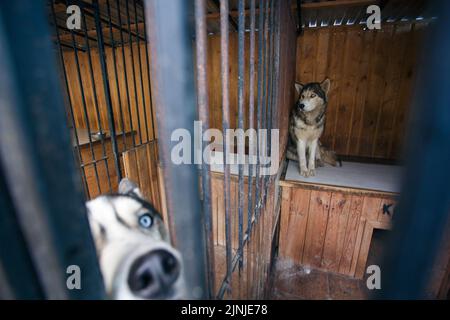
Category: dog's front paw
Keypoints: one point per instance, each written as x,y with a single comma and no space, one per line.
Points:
304,172
311,172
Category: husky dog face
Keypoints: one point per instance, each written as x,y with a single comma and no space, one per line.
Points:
136,259
312,95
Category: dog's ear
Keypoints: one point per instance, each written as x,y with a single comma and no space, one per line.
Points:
126,186
298,87
325,85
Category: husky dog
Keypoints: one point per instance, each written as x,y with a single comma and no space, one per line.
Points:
136,259
306,126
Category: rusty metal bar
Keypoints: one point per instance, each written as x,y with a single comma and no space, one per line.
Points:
84,104
116,76
107,91
241,145
224,40
251,125
96,104
133,69
140,71
147,60
203,112
171,50
130,117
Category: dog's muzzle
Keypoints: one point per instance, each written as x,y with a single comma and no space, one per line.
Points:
153,275
301,106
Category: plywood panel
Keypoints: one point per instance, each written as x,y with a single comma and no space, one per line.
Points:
316,228
140,163
372,76
336,231
339,226
351,234
132,107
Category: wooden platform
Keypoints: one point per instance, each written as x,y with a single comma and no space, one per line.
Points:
329,226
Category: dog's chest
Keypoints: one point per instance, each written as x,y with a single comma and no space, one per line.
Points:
300,130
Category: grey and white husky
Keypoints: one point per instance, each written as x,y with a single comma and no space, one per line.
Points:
307,123
136,259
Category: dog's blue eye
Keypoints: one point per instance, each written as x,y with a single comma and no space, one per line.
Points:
145,221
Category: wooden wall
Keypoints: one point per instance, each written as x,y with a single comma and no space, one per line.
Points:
287,76
372,76
130,109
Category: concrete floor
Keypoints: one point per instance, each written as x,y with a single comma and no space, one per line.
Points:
301,283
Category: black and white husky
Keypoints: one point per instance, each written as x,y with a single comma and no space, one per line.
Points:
136,259
307,123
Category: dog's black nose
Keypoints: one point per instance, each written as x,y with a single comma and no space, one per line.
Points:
301,106
153,274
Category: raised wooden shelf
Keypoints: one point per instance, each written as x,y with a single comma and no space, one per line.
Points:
328,226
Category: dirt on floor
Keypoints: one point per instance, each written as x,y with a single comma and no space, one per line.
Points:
295,282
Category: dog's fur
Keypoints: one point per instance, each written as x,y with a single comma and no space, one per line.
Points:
307,123
136,259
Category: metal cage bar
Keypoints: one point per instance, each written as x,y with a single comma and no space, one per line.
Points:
203,112
172,53
36,159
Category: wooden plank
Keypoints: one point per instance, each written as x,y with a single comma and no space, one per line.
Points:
336,231
296,233
316,228
347,91
131,166
364,250
357,246
362,85
377,71
351,235
371,208
143,171
387,126
384,217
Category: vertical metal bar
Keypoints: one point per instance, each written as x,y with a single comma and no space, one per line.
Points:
133,69
97,112
147,60
266,87
269,89
203,112
259,105
275,115
171,50
424,203
122,44
251,126
116,76
36,157
140,70
85,112
224,40
18,271
102,56
69,101
258,146
241,147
